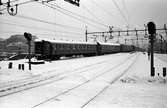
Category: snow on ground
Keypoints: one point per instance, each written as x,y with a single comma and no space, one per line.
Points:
135,89
79,71
163,57
8,75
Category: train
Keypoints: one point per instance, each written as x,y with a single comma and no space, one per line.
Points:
53,50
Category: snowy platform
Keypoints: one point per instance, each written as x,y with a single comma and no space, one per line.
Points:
109,81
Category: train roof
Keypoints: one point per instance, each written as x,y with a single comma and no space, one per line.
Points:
115,44
64,42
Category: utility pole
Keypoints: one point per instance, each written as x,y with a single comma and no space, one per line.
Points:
142,42
105,37
137,38
110,31
152,31
119,34
125,41
161,43
86,34
166,36
132,41
145,29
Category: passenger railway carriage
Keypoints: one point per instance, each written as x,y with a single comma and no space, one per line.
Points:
51,49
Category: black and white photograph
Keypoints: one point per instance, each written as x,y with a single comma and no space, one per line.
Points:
83,54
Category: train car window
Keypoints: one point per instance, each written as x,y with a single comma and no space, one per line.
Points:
84,47
74,47
70,47
67,47
78,47
61,46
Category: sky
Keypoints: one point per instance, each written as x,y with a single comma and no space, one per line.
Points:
65,21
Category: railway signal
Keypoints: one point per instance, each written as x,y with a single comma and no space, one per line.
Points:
28,36
152,31
1,3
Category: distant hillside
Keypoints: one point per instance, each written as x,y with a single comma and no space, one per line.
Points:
17,44
18,38
1,39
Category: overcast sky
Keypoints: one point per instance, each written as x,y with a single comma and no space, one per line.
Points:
97,15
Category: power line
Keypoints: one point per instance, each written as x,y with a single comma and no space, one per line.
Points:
74,17
59,11
45,34
122,14
124,5
19,3
80,16
104,10
40,28
47,22
92,14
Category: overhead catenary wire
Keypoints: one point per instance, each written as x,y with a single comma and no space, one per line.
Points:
39,28
74,17
63,13
81,16
104,10
22,3
125,9
41,34
110,14
122,14
91,13
47,22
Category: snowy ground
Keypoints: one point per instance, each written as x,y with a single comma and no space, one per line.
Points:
110,81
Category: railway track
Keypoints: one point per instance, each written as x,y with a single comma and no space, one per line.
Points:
111,82
37,80
88,81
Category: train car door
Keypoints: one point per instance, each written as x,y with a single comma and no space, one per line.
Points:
98,48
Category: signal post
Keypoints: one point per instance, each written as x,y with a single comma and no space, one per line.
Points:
28,36
152,31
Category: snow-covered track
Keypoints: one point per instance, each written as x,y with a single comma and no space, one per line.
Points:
111,82
38,80
92,79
